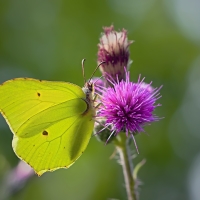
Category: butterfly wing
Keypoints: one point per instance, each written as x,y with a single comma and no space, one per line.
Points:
51,121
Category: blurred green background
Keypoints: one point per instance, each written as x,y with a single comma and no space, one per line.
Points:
47,39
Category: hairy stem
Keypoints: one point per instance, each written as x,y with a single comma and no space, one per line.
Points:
122,147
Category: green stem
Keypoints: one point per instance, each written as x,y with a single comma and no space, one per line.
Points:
122,147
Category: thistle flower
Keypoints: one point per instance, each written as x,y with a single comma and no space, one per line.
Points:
114,50
128,107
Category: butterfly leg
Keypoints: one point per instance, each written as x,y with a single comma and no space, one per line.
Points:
95,97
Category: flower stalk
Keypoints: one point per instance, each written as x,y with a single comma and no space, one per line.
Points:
122,146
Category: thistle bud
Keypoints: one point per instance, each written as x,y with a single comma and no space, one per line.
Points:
114,51
103,134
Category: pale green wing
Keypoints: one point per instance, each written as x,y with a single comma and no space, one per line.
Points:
51,121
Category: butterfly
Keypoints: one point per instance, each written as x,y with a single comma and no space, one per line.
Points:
52,122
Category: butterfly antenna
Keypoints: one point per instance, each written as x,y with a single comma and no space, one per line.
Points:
83,70
98,79
96,69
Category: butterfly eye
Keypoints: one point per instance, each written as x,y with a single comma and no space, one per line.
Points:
90,87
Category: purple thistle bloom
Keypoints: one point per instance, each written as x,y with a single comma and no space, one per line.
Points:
128,106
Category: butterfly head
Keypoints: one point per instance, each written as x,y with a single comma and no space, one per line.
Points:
88,89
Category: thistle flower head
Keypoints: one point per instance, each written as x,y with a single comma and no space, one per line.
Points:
114,50
128,106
